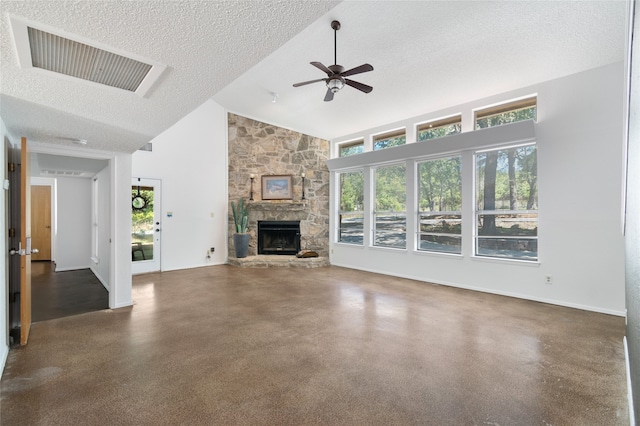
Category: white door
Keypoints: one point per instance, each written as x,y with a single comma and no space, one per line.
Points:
146,225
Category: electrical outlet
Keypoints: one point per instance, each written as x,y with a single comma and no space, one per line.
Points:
548,279
212,249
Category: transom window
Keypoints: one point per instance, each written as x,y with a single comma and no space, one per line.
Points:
439,128
388,140
351,214
440,205
351,148
510,112
390,216
507,203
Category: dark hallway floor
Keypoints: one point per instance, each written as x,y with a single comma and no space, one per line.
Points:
331,346
62,294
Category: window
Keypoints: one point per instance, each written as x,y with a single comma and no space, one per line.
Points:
351,148
440,205
524,109
439,128
507,203
388,140
351,212
389,217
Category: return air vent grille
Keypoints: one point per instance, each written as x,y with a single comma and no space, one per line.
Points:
58,54
63,173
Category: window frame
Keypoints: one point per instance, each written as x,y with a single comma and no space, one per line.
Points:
339,211
504,107
420,213
501,212
392,134
350,144
375,212
437,124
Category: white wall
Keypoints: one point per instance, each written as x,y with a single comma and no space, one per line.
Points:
102,215
73,241
4,288
580,141
190,159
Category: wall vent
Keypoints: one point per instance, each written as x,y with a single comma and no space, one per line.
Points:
42,47
67,173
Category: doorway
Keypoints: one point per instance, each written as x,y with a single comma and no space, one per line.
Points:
145,225
41,221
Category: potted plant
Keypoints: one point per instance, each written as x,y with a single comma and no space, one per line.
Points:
240,219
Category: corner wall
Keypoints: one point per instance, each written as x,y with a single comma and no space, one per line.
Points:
4,288
190,158
632,225
579,135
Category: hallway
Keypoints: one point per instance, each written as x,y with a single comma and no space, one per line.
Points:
228,345
61,294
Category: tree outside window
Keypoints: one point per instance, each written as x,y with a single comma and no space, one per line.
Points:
440,205
390,217
507,203
351,214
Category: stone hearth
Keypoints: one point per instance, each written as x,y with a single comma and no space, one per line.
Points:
269,261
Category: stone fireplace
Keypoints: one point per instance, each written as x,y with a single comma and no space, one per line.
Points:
261,149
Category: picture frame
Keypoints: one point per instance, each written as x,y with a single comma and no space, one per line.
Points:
277,187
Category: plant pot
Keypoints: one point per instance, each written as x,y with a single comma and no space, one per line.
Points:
241,244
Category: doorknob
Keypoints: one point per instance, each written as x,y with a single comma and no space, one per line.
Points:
35,251
13,252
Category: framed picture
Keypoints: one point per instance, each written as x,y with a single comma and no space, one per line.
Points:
277,187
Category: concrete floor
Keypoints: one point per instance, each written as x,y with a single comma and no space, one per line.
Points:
227,345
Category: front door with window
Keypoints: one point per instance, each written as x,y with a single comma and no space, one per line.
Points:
145,225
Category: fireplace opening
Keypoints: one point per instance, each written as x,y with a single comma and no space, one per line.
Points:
278,237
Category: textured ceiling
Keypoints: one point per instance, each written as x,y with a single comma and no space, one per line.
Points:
205,44
427,55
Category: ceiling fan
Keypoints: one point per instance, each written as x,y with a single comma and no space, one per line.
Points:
336,74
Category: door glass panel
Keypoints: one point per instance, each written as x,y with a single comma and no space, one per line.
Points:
142,226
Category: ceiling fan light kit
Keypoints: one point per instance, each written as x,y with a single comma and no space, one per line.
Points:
336,74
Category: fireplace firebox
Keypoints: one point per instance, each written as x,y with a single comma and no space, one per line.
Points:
278,237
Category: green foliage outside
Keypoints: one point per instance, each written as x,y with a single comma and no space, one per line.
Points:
351,191
522,114
389,142
439,183
391,189
351,150
142,220
513,185
438,132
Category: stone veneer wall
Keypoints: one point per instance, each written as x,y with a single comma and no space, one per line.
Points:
264,149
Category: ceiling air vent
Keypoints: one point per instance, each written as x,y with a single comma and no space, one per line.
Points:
52,50
58,54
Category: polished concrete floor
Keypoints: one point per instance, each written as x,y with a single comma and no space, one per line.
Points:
227,345
66,293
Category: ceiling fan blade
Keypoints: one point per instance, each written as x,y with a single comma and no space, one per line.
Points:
329,96
309,82
322,67
357,70
362,87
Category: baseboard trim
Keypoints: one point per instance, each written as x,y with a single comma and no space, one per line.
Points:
71,268
632,419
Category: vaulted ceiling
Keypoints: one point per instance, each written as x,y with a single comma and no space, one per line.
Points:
426,55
